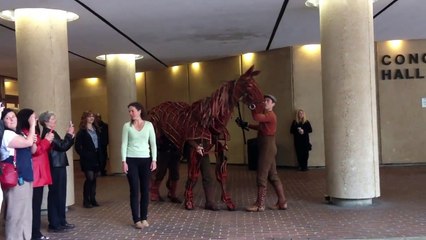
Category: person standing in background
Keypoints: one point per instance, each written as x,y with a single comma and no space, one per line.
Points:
41,169
300,128
139,158
56,199
87,145
103,142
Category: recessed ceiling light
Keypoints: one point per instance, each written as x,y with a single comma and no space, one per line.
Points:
315,3
10,14
103,57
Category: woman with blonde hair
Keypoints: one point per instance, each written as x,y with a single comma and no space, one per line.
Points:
300,128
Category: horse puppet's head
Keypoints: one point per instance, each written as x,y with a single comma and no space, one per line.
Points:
247,90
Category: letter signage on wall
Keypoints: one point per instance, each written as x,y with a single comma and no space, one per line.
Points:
403,66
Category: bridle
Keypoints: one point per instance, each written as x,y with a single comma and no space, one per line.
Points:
251,106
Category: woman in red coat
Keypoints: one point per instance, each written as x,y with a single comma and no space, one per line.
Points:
41,170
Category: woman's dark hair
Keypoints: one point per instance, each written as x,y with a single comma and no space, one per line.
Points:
139,107
83,120
23,117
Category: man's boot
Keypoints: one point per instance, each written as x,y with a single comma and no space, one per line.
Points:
259,205
155,191
210,203
172,186
282,202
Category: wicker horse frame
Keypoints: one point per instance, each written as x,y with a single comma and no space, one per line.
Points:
204,122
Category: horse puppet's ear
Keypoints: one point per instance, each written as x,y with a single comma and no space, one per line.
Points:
255,73
251,72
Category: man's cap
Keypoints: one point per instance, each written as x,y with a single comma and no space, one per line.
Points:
274,99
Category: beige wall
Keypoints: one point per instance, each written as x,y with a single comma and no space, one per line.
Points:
170,84
307,95
141,87
88,94
402,118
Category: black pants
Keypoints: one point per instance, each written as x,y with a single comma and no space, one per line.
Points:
138,176
37,199
56,199
302,158
89,188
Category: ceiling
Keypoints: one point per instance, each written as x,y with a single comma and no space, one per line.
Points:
173,32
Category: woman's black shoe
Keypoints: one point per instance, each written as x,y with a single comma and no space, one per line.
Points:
95,204
56,229
68,226
87,205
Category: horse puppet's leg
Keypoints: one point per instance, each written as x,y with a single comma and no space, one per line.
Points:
173,179
222,174
158,176
193,174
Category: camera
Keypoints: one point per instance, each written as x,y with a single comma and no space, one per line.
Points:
20,181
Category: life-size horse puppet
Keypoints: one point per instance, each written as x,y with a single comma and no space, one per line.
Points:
204,123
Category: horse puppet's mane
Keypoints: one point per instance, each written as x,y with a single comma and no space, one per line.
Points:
180,121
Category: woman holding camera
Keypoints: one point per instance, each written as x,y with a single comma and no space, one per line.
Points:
17,147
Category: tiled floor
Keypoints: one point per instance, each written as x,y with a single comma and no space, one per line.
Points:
400,213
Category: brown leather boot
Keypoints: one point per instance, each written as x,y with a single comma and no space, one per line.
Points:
282,202
172,186
210,203
155,191
259,205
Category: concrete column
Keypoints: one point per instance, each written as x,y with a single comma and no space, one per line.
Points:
121,88
2,90
43,70
349,98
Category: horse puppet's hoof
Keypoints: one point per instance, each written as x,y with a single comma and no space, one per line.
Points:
189,205
230,206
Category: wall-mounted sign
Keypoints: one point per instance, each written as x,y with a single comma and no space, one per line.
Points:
394,70
424,102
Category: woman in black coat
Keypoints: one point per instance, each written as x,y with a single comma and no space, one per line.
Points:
87,143
300,128
56,199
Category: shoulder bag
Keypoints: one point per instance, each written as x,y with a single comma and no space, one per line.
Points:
9,174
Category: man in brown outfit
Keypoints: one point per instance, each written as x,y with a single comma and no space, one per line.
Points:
267,166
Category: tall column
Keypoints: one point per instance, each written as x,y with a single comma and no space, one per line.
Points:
121,88
2,89
349,98
43,69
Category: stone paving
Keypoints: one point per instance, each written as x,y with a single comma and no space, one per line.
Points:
400,213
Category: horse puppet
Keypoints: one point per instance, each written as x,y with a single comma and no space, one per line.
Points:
204,123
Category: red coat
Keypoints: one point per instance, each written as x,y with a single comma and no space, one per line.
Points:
41,165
